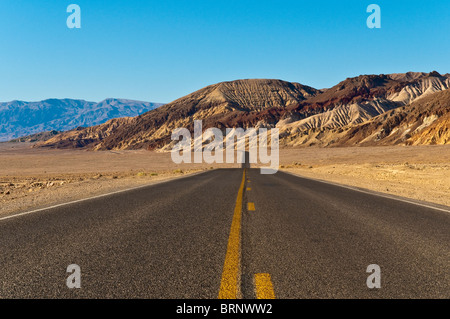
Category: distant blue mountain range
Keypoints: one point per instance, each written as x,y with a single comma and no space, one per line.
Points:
19,118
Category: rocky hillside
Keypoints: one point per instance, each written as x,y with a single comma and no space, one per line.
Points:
423,122
38,137
18,118
426,121
304,115
219,105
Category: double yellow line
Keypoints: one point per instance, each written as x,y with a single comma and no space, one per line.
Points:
230,286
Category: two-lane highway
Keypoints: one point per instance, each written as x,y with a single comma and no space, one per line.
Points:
296,238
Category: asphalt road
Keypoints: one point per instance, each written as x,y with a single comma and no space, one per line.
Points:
171,240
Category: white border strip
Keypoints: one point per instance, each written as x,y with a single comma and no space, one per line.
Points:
100,196
368,192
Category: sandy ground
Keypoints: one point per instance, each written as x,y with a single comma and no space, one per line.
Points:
35,178
417,172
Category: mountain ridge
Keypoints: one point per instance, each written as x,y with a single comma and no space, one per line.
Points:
21,118
294,108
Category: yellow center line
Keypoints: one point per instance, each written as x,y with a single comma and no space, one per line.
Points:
264,287
250,206
249,189
230,284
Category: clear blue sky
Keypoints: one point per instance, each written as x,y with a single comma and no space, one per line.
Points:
161,50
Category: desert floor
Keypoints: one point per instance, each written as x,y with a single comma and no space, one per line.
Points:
36,178
417,172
